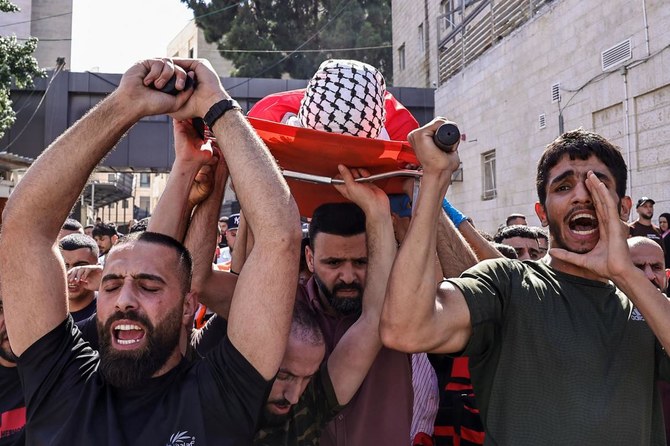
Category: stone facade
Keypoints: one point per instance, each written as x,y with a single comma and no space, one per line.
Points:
190,42
500,98
48,20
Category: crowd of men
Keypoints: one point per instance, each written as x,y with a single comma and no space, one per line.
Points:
408,325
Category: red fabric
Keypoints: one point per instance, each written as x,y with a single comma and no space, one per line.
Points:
422,439
318,153
12,421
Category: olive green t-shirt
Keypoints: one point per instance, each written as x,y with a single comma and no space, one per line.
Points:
559,359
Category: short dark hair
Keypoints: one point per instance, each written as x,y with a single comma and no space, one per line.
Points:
305,326
666,215
102,229
540,232
581,144
344,219
184,259
72,225
75,241
505,250
515,231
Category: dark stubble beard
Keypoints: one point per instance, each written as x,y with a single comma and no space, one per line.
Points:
130,369
8,355
343,305
269,419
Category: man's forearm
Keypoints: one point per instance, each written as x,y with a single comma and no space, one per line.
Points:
173,211
454,252
410,296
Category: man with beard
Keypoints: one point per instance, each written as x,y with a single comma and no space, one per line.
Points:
649,257
557,334
105,236
306,393
643,226
79,250
140,389
12,407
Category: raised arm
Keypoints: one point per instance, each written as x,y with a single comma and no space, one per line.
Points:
350,361
215,288
417,317
260,314
611,259
34,304
188,184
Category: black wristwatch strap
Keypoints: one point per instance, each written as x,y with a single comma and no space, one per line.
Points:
219,109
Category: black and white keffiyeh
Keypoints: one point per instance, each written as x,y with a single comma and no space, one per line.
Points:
345,96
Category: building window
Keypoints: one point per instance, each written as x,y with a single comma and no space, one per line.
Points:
125,204
446,14
422,40
489,175
145,180
145,203
401,57
191,53
111,178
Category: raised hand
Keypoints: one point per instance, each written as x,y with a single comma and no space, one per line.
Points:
366,195
432,159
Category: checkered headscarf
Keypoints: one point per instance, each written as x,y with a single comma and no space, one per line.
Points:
345,96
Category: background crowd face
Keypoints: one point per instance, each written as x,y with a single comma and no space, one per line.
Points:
648,256
105,243
339,265
78,257
646,210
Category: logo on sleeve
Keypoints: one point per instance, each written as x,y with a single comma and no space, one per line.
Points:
636,315
181,439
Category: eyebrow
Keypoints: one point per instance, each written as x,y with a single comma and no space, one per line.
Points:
140,276
568,173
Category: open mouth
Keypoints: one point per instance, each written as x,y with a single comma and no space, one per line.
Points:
128,334
583,223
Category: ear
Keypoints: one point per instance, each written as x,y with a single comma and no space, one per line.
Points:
541,214
625,206
309,257
189,308
114,239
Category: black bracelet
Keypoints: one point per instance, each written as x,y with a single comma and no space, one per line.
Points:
219,109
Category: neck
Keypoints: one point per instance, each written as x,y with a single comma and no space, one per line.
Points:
644,221
81,302
172,362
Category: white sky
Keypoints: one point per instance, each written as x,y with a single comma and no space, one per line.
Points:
110,35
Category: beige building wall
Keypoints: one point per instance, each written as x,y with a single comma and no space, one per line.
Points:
415,36
190,42
500,99
48,20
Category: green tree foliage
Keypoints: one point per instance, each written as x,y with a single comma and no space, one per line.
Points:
17,64
290,24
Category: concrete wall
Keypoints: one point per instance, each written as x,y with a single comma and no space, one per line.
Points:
498,98
191,37
420,62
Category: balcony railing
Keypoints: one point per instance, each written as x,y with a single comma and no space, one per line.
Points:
470,30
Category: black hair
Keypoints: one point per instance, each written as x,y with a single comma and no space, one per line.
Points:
344,219
72,225
305,326
102,229
581,144
75,241
505,250
515,231
184,259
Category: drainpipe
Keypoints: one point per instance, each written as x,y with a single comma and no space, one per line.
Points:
646,26
626,127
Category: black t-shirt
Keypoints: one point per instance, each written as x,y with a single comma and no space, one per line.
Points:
12,408
215,401
85,312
